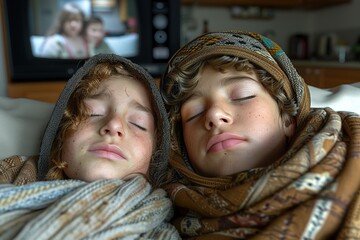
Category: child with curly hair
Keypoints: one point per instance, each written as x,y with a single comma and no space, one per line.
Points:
251,159
103,157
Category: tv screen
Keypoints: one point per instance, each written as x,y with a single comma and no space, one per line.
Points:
49,40
76,28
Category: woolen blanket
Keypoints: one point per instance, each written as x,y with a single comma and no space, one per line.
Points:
311,193
73,209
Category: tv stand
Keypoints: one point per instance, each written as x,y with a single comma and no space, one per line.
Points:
42,91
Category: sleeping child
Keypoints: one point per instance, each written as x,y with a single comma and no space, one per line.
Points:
102,160
251,159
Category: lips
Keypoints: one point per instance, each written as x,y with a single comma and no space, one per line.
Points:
223,141
108,151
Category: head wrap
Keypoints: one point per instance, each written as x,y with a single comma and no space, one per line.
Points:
163,146
311,192
254,47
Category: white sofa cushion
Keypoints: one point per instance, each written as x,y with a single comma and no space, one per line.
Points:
345,97
22,123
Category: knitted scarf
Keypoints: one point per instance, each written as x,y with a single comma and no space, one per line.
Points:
73,209
311,192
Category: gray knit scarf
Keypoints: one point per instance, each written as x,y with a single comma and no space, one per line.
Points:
72,209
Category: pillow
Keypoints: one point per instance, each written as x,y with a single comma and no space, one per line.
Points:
22,124
344,97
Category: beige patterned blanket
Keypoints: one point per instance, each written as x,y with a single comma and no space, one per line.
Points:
311,193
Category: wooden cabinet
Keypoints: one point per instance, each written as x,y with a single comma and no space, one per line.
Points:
268,3
325,77
42,91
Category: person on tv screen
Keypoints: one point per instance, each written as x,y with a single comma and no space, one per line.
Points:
64,39
94,33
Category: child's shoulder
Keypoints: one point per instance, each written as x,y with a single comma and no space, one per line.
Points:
56,38
18,169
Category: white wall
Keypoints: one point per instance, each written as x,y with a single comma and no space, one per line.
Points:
341,19
278,28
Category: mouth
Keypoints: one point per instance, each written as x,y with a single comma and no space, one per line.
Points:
108,151
223,141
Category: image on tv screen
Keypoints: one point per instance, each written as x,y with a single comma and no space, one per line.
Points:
78,29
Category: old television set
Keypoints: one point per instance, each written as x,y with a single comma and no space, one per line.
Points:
144,31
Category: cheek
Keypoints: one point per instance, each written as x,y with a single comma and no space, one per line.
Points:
267,123
262,117
146,142
192,141
73,143
68,149
143,156
150,147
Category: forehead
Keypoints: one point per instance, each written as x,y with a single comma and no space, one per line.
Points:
124,83
95,25
72,16
221,74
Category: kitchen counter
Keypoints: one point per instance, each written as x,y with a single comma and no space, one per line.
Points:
327,74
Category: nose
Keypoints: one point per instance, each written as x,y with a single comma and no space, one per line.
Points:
217,116
74,22
113,126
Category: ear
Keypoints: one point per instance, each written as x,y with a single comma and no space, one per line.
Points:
289,124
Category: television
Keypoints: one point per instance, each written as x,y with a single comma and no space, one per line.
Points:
144,31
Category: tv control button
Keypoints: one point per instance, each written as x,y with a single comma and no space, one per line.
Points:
160,37
160,6
160,21
161,53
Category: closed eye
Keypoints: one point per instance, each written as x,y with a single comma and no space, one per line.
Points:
193,117
95,115
138,126
244,98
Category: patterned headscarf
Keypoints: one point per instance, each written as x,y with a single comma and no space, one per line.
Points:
254,47
311,192
257,49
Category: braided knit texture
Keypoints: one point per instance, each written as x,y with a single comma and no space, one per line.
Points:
72,209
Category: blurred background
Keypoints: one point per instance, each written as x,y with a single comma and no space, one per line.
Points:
321,36
305,29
